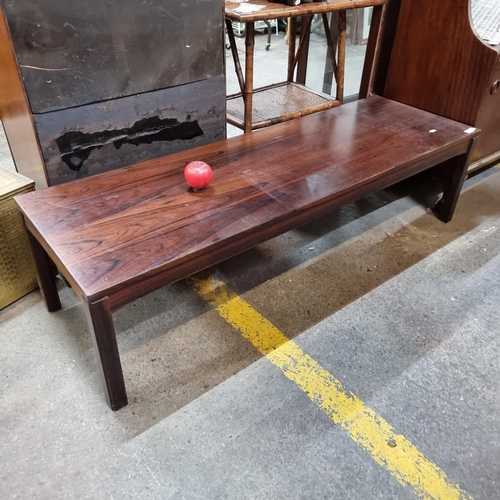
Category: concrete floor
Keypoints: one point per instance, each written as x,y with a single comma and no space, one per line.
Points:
398,307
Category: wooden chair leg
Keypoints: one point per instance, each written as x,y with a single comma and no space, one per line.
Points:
236,57
45,274
340,74
451,175
104,339
248,92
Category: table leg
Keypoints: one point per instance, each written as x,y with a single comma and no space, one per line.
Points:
303,50
45,273
341,55
292,33
248,93
330,42
269,34
102,329
451,175
332,37
372,55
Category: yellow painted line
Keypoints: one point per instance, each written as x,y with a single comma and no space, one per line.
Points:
390,450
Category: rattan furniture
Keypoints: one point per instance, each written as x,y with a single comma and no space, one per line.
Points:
251,108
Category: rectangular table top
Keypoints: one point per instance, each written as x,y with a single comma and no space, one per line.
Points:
261,10
125,227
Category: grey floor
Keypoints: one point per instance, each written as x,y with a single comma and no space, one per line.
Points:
400,308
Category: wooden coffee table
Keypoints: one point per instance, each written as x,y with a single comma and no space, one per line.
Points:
117,236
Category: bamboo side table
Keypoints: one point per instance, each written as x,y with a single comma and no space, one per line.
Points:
252,108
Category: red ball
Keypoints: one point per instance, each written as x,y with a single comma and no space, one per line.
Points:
198,175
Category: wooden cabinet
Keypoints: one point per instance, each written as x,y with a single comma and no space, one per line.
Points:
106,84
16,115
439,64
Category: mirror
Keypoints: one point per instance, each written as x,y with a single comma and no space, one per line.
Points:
486,20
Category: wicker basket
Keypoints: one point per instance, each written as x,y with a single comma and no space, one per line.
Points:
17,271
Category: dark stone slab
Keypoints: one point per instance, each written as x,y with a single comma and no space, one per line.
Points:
72,54
77,142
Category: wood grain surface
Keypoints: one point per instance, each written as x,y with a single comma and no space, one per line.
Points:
124,233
